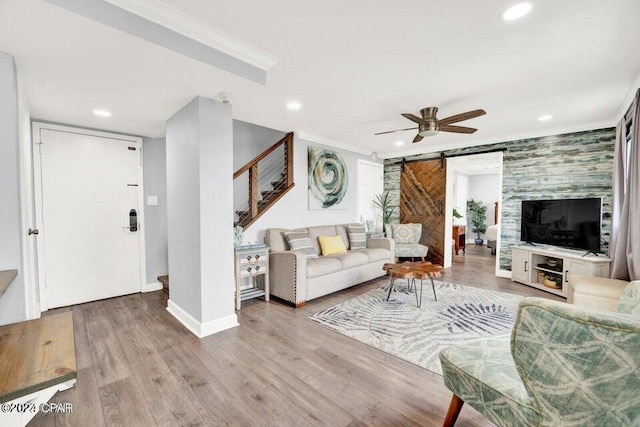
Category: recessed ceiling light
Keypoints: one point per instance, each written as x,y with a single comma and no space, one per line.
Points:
102,113
545,118
399,143
294,105
516,11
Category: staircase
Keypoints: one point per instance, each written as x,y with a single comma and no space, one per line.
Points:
263,181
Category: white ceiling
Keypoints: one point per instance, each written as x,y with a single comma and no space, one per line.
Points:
477,164
354,65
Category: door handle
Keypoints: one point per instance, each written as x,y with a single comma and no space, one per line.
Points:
34,231
133,221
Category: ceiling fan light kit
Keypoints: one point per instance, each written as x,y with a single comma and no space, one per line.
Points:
429,125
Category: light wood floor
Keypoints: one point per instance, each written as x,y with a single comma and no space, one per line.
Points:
138,366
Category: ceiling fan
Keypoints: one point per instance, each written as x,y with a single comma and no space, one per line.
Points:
429,125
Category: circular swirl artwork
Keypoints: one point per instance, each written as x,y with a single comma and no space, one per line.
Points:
328,179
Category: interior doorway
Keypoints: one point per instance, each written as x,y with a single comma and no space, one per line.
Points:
477,177
89,212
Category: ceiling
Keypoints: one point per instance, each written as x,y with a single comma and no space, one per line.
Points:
354,66
477,164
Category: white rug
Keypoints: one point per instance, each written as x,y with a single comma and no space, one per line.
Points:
461,315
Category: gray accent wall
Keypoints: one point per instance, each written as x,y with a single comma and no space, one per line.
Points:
249,140
199,151
155,184
574,165
12,303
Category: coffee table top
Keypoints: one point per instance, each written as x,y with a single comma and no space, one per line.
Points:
413,270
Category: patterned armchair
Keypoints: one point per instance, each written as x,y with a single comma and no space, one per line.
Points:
407,238
563,366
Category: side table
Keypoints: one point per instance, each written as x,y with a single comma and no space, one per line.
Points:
251,261
460,238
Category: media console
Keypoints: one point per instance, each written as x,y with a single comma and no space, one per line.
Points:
549,268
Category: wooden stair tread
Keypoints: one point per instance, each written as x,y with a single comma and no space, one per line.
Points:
36,354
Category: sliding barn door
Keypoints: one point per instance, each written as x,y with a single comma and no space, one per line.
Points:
422,200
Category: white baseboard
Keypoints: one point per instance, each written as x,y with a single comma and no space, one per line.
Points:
198,328
150,287
504,273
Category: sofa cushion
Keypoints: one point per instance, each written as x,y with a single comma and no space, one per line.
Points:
332,245
323,265
357,236
351,259
411,250
324,230
299,240
375,254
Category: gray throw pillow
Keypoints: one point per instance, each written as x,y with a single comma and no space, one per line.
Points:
299,240
357,237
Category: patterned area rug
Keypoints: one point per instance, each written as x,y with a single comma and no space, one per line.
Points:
461,315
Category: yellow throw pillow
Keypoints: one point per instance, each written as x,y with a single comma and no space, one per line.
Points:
332,245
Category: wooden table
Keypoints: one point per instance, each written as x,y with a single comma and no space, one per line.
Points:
412,271
37,359
460,238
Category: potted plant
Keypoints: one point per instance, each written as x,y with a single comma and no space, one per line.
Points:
383,202
478,216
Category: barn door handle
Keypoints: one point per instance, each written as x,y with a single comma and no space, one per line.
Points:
440,207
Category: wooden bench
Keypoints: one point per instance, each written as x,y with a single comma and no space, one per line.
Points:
37,359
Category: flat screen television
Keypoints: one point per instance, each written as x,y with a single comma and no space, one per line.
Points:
569,223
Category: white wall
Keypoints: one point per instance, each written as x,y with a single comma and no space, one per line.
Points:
155,184
292,210
12,303
484,188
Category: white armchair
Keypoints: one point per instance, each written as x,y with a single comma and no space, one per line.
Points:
597,293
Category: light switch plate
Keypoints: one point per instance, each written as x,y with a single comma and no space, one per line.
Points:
152,200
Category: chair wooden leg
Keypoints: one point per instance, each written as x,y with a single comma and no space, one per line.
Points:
454,409
422,259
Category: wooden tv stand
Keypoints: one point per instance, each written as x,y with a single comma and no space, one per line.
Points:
528,263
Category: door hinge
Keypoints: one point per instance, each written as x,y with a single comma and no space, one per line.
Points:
34,231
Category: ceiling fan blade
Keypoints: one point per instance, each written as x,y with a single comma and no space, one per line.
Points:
391,131
418,138
457,129
460,117
413,118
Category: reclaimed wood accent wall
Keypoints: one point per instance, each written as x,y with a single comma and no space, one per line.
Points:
571,165
422,200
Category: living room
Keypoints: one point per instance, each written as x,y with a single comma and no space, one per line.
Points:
193,92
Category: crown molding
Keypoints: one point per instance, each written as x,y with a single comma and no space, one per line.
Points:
188,26
332,142
445,146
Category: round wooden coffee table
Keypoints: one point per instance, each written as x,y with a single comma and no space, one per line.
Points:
412,271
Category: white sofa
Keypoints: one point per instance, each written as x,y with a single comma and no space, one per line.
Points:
296,279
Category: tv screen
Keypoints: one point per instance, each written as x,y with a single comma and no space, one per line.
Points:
570,223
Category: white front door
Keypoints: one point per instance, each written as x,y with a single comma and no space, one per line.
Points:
88,207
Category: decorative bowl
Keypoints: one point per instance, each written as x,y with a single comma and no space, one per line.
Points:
552,262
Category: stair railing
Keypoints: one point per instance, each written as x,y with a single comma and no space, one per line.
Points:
275,166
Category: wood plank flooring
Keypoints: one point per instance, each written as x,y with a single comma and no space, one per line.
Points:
138,366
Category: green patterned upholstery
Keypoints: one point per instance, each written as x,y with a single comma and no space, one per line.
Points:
411,250
574,367
629,302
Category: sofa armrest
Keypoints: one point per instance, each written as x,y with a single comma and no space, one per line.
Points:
383,243
597,293
288,276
